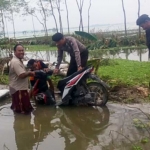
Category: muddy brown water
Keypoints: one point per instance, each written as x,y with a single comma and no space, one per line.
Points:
73,128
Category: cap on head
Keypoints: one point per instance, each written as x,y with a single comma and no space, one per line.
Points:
142,19
57,37
30,63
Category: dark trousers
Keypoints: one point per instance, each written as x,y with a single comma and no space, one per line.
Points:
73,65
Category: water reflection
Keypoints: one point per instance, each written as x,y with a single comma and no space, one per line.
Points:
139,55
81,127
131,54
67,128
24,135
70,128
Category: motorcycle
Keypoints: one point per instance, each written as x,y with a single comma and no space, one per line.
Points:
77,90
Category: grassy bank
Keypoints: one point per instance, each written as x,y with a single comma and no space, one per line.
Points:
125,72
128,80
120,72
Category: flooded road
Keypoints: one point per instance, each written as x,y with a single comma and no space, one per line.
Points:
115,127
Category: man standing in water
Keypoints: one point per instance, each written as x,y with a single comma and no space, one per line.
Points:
78,52
144,22
18,82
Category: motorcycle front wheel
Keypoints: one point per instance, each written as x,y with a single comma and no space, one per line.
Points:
100,92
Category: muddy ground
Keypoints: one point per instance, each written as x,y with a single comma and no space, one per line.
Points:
135,94
121,94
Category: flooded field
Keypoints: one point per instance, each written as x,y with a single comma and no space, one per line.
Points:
115,127
51,56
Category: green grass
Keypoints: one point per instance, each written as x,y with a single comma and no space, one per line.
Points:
39,48
117,72
125,72
4,79
31,47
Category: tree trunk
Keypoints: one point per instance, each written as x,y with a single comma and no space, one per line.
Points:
125,24
13,24
53,15
138,16
89,16
80,7
67,16
58,9
6,26
3,24
12,17
38,20
44,18
81,3
33,26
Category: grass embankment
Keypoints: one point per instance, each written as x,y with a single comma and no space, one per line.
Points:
129,80
125,72
119,72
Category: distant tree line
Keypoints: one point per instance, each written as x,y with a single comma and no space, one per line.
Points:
45,9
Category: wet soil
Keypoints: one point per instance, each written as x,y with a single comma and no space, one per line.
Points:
135,94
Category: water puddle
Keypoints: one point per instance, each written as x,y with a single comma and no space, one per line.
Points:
70,128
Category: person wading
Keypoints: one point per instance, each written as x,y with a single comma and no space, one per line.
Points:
18,82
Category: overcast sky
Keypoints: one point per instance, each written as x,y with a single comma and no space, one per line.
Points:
101,12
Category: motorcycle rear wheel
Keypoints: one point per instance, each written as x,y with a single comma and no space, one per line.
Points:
101,92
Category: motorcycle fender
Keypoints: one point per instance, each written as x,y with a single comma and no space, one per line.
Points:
96,78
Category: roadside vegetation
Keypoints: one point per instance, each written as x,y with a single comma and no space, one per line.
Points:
119,72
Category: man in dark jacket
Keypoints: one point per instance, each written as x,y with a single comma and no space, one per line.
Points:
78,52
144,22
42,83
39,65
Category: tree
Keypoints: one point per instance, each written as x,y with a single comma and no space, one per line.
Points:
4,6
32,12
80,8
67,15
125,24
89,16
138,16
2,20
58,7
44,17
15,7
53,15
42,10
33,25
12,18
